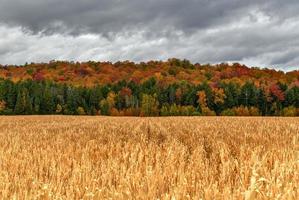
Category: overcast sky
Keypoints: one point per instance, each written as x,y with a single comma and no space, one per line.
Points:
261,33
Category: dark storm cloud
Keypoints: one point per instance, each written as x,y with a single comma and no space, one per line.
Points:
102,16
255,32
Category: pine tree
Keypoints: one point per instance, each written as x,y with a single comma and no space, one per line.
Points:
11,96
23,103
231,95
248,95
48,105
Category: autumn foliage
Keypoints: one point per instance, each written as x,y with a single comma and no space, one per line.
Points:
173,70
154,88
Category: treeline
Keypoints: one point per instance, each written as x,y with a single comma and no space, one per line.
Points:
149,98
174,70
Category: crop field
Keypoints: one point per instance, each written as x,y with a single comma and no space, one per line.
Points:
68,157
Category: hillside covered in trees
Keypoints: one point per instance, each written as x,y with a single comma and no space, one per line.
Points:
155,88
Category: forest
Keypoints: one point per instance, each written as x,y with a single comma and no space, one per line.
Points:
170,88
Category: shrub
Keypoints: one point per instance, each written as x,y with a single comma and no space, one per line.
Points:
128,112
164,111
254,111
58,108
290,111
2,105
196,113
228,112
81,111
246,111
208,112
114,112
174,110
241,111
187,110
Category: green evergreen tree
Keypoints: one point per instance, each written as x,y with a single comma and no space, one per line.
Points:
48,105
248,95
23,103
292,97
149,105
231,95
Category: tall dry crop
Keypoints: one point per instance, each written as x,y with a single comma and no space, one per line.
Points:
59,157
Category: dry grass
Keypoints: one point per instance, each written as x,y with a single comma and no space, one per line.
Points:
59,157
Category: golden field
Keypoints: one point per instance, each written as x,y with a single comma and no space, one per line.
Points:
64,157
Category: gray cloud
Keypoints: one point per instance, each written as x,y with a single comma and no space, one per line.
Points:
102,16
256,32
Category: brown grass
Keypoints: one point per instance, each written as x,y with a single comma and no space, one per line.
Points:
59,157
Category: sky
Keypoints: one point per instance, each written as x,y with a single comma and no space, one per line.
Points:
260,33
